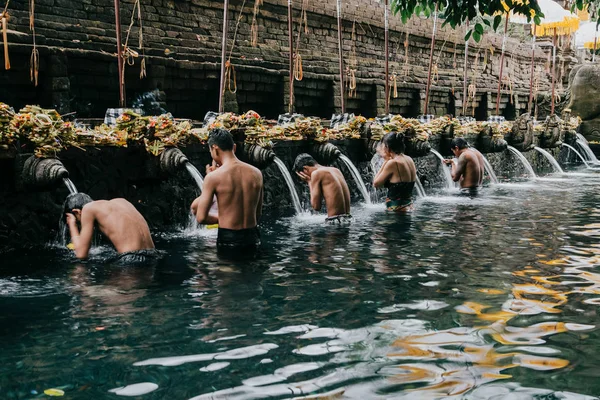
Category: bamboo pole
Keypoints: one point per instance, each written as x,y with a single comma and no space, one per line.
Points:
501,66
530,104
553,72
120,64
465,75
387,59
595,42
431,58
223,54
341,60
291,59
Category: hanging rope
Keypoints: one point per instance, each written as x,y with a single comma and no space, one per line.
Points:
4,19
394,92
406,67
34,61
352,64
129,55
254,26
230,76
298,70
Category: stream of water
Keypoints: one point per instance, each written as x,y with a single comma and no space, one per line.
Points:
550,158
290,184
357,178
523,161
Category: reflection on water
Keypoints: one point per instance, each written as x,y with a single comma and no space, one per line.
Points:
477,298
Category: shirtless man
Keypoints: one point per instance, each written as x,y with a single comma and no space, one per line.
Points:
117,219
327,183
239,191
467,170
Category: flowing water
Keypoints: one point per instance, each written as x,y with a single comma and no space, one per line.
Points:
195,174
577,153
489,169
552,160
523,160
357,178
583,143
445,170
444,302
420,188
70,185
290,184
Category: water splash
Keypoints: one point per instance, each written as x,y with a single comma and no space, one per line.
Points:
488,168
419,187
553,162
523,160
70,185
195,174
577,153
445,171
357,178
583,143
290,184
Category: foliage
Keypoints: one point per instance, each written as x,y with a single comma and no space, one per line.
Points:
458,12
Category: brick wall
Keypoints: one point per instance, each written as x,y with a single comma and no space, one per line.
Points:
183,40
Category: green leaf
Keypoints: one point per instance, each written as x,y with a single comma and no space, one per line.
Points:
497,21
479,28
476,36
468,35
487,22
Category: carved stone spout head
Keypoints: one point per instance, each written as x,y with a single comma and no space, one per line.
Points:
43,172
325,153
172,160
258,156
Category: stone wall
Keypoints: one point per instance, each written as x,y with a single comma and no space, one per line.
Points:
76,40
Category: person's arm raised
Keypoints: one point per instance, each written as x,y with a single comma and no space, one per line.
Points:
384,174
458,169
316,192
201,206
82,241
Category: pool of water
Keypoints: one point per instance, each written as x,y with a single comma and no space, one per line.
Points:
477,298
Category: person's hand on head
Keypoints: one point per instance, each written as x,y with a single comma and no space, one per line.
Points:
71,219
303,176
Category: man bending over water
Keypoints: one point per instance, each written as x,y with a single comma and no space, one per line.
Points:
325,183
239,190
467,170
117,219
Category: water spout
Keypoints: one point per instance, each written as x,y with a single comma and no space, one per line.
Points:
445,171
70,185
552,160
258,156
583,144
568,146
523,160
195,174
357,178
420,189
290,184
45,172
325,153
488,168
172,160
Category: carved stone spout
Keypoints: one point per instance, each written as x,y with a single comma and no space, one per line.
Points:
43,172
172,160
521,135
258,156
551,136
487,142
325,153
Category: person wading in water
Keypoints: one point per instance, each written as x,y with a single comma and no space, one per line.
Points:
325,183
238,188
398,173
467,170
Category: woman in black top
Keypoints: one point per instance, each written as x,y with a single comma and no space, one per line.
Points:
398,173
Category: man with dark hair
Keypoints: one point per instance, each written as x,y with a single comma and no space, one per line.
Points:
467,170
117,219
238,188
325,183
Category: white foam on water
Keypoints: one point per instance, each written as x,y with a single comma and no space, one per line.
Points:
137,389
215,366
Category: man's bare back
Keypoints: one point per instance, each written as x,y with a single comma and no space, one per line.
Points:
468,165
117,219
330,184
239,190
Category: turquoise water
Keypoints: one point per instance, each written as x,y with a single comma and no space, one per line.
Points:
468,298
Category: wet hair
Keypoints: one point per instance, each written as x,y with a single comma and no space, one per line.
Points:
221,138
76,201
304,160
459,142
394,141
